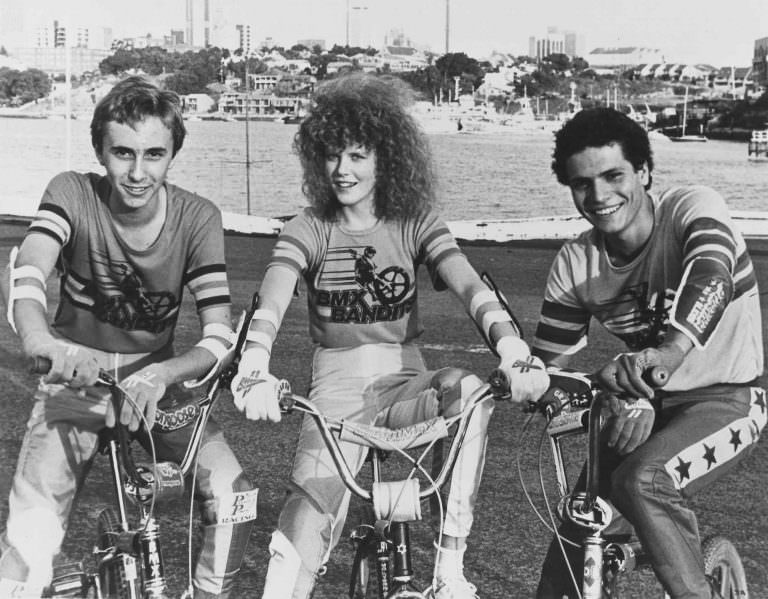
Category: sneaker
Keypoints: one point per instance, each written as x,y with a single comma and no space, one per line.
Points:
455,588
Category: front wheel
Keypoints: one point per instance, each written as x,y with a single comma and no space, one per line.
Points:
723,566
119,574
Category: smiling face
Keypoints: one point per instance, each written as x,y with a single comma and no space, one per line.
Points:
352,172
137,159
610,193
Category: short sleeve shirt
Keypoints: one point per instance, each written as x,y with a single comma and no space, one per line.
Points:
362,284
118,299
634,301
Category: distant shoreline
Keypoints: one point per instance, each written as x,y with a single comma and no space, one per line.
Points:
543,233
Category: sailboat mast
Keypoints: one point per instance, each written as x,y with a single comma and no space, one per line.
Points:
685,110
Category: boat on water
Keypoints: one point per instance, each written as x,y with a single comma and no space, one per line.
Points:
757,150
683,137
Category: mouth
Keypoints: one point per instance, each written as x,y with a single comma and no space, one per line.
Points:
137,190
344,184
606,210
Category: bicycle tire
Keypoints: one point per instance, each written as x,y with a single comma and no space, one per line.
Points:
723,566
116,574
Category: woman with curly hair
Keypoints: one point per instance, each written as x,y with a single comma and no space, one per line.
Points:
370,182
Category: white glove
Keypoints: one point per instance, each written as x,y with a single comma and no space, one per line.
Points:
256,393
528,378
146,387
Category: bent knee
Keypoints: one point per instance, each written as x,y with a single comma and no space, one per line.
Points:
630,485
454,384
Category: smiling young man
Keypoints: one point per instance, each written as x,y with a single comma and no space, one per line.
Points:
125,245
669,275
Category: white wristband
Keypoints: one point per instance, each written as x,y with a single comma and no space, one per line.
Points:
255,358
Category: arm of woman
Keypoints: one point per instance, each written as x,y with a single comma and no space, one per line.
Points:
254,389
528,378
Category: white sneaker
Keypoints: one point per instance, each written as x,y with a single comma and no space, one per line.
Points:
455,588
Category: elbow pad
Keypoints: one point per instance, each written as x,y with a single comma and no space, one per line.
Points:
705,291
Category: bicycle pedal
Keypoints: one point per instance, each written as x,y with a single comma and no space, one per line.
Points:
69,580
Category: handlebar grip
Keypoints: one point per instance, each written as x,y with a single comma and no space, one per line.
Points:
658,376
40,365
499,382
285,396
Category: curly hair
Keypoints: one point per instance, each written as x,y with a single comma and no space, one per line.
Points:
131,101
371,111
597,127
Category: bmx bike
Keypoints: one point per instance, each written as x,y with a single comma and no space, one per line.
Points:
382,566
128,557
571,409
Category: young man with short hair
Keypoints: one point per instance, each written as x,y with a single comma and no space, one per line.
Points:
125,245
669,275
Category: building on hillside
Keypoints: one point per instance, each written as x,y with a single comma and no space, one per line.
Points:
623,58
310,44
54,60
359,17
555,41
760,62
196,103
733,81
400,59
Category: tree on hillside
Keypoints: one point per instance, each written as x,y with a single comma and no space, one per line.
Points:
119,62
20,87
458,64
426,82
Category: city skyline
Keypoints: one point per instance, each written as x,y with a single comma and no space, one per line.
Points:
692,31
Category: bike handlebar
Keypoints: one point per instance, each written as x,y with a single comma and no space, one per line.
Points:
401,439
42,365
569,389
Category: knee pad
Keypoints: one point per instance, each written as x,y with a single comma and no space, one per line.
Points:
284,567
455,383
227,523
35,536
239,505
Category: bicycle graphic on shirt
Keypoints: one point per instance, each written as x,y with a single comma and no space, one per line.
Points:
131,306
347,266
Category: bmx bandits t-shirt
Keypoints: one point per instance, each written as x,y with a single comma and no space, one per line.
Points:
362,284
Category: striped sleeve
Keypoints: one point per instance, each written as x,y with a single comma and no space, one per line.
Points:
563,321
562,330
209,286
291,252
53,221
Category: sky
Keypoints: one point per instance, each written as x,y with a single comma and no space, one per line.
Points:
720,33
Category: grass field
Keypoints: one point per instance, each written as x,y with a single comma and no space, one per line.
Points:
507,543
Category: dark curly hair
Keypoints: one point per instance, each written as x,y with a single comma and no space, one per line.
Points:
597,127
131,101
372,111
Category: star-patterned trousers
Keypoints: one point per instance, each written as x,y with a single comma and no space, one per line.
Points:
698,436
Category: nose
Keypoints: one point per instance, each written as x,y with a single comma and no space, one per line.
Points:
136,172
342,165
598,190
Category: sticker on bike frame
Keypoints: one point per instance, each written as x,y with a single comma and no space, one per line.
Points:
234,508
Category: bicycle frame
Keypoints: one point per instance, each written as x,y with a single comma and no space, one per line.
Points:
143,486
570,409
390,532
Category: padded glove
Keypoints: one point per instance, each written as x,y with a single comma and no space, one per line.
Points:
255,391
528,378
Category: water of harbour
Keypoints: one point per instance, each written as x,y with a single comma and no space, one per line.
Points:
493,175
